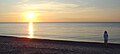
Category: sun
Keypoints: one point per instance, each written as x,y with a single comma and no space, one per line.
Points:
30,15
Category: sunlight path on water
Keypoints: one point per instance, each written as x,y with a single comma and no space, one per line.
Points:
30,17
31,33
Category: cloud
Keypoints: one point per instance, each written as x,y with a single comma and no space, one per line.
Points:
57,7
23,1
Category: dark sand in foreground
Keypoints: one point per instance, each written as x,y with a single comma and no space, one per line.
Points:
13,45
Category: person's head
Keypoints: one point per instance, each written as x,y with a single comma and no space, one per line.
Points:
105,32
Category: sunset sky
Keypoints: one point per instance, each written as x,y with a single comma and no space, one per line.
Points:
60,10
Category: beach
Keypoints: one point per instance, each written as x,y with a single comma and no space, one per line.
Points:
16,45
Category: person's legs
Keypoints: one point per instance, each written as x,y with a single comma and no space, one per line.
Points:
105,42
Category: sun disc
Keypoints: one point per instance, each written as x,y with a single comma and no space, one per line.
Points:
30,15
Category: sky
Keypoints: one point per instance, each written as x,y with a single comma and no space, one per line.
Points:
60,10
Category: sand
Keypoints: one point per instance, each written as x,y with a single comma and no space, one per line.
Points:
15,45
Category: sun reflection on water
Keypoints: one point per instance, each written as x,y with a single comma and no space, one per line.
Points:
31,33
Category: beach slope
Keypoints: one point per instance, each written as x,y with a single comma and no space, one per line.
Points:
14,45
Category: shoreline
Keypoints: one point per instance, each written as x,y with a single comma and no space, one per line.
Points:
52,40
21,45
24,37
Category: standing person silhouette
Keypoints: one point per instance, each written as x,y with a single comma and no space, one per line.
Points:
105,38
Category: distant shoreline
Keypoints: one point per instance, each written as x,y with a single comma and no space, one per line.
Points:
60,22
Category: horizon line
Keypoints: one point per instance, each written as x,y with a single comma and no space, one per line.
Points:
60,22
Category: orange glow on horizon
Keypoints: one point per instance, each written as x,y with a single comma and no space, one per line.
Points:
30,16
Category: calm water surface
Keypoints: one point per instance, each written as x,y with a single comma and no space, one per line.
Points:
63,31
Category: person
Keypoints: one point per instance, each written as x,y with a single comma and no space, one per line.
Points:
105,38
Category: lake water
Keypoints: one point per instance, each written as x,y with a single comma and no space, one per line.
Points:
63,31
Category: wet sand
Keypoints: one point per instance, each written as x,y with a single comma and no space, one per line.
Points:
14,45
